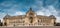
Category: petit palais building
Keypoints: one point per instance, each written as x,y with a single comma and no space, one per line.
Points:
30,19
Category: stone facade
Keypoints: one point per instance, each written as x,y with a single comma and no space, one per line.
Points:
30,19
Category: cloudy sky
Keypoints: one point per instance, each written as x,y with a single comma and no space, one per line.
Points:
20,7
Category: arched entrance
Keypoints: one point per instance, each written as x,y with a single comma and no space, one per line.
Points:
31,19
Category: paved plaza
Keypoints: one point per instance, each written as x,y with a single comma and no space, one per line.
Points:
32,27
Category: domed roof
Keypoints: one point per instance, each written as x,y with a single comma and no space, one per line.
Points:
7,16
30,11
52,16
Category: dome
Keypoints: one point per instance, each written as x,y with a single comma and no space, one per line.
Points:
7,16
52,16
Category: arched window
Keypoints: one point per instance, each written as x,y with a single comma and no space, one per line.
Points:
38,20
